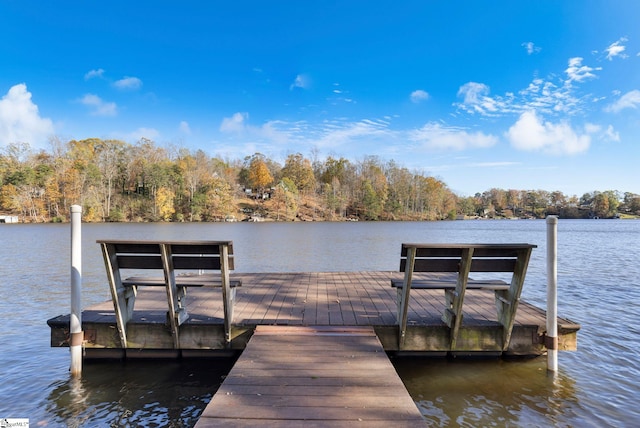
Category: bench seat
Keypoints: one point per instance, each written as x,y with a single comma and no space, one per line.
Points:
457,261
174,265
182,280
443,284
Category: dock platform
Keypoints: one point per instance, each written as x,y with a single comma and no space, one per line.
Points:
319,376
338,299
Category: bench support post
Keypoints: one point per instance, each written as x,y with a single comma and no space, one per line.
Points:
123,297
228,295
507,301
454,298
403,306
177,313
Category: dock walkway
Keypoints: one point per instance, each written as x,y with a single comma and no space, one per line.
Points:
322,376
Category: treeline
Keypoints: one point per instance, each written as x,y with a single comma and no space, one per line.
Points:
116,181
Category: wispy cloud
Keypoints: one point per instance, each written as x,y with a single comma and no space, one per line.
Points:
476,99
492,164
92,74
235,123
437,136
629,100
301,81
128,83
549,96
276,132
184,127
20,120
98,106
617,49
339,134
418,96
610,134
140,133
576,72
531,48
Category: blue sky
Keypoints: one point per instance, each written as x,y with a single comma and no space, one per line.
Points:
509,94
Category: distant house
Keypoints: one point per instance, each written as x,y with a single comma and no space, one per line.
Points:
8,219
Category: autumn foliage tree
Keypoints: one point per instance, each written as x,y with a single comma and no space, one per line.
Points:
117,181
258,176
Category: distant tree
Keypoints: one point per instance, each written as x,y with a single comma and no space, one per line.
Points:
631,202
300,172
605,204
371,202
259,177
109,160
164,201
286,195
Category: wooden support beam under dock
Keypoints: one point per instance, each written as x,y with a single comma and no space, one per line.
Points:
316,376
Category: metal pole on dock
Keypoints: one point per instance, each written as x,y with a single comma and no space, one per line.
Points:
76,336
551,341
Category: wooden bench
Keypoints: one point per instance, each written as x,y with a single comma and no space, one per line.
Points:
176,265
461,259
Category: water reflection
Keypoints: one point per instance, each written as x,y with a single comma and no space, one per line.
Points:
489,393
138,393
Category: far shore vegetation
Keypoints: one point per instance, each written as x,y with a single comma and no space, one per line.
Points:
114,181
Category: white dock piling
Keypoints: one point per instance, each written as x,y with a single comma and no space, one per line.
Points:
551,341
76,335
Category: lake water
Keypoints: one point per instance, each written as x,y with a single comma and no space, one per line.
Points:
599,287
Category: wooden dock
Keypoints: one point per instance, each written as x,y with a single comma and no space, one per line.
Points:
340,299
316,376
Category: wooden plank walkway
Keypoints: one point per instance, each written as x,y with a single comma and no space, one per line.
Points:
316,376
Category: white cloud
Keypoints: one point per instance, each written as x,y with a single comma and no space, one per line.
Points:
418,96
616,49
435,136
20,120
592,128
94,74
476,99
541,95
608,134
531,48
531,133
301,81
271,132
128,83
473,92
629,100
185,128
611,135
99,107
235,123
576,72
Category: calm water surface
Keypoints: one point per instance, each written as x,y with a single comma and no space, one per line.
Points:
598,277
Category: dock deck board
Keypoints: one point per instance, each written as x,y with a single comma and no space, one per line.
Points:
322,376
311,299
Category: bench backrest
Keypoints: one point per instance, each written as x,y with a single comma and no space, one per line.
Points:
447,257
184,255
